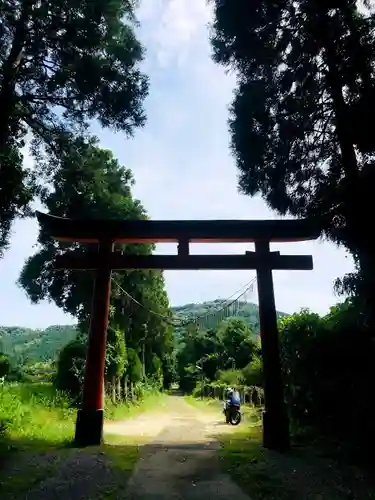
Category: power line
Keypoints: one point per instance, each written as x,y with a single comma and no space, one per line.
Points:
249,286
188,321
167,318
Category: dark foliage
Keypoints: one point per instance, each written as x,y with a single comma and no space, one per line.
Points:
299,119
329,373
62,63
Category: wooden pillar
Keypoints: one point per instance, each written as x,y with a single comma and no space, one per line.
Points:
275,419
89,425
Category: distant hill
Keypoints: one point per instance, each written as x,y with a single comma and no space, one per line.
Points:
246,310
28,345
25,344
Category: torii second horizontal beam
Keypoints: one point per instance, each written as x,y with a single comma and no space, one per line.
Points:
118,261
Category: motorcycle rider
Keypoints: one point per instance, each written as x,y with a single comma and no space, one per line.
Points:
232,399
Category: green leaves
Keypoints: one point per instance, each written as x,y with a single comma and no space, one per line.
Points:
328,365
5,365
63,63
283,120
216,354
116,355
298,121
88,182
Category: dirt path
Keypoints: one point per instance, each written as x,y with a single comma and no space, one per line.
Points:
182,462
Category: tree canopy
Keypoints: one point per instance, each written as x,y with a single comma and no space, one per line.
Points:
299,119
62,63
90,182
211,353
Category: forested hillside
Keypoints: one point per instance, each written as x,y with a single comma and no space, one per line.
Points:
25,345
245,310
32,346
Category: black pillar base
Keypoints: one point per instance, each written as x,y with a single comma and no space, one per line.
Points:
89,428
276,431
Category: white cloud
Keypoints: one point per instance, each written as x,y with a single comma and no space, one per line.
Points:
173,27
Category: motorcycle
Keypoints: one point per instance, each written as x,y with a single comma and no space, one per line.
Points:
232,414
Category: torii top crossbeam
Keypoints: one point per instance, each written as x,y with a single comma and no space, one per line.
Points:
159,231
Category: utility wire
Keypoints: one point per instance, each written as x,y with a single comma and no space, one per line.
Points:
187,320
225,306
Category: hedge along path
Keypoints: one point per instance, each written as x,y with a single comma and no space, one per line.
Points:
172,453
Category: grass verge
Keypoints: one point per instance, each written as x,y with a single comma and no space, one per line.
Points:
36,417
243,457
38,421
150,402
299,474
119,452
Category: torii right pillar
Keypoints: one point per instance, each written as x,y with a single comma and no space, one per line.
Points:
275,416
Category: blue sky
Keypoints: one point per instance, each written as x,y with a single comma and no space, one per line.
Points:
183,170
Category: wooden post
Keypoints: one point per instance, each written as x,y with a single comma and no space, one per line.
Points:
275,419
89,425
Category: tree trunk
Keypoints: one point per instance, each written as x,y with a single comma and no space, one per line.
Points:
126,389
113,389
144,361
118,381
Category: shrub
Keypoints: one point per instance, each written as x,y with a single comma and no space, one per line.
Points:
5,366
230,377
329,373
253,373
70,368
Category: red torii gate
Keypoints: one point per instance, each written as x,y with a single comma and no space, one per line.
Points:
89,425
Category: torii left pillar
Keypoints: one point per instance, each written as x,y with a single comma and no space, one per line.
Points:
90,417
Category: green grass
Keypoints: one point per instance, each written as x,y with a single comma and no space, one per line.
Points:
38,423
300,473
34,415
121,453
151,401
244,458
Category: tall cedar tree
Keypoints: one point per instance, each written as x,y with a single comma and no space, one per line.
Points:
89,182
300,117
62,63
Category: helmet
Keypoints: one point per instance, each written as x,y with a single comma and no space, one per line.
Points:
229,391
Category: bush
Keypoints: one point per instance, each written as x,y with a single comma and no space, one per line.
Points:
329,372
253,373
230,377
70,368
4,365
134,367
